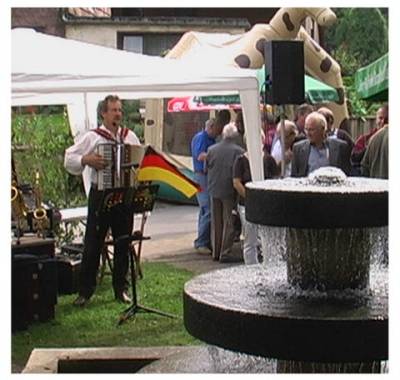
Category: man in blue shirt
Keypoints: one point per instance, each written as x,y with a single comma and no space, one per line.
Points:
199,146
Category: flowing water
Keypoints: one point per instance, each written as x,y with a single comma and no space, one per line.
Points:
325,259
320,276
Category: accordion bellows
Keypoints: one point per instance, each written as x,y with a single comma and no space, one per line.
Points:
122,159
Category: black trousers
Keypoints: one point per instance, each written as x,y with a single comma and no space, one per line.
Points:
120,220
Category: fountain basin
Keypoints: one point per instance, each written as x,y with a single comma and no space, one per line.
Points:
210,359
327,219
225,308
294,202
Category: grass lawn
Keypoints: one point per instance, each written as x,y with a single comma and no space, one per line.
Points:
96,325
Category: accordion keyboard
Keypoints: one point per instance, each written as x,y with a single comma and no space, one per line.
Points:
105,177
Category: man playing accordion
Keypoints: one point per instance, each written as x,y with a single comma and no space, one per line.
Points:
119,218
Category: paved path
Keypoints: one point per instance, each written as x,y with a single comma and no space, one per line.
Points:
172,229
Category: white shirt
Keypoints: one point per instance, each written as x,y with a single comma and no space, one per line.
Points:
276,153
87,145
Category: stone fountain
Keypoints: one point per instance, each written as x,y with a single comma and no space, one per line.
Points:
319,302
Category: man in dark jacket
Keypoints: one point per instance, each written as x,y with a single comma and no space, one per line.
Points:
336,133
375,163
360,146
317,150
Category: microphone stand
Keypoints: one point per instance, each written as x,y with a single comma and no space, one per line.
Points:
135,307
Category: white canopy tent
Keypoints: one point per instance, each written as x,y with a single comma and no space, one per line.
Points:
52,70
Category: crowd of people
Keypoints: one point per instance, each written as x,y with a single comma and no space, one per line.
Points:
309,142
221,167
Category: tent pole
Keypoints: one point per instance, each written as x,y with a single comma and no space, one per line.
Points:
85,102
252,125
282,137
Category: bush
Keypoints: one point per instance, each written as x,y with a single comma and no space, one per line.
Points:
39,142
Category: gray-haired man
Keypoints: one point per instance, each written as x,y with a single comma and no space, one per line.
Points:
317,150
219,162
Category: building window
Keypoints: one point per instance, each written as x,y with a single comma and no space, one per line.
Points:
150,44
133,44
159,44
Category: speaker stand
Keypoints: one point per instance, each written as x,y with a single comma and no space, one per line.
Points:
282,117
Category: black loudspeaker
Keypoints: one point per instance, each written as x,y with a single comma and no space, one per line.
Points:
284,72
33,291
68,274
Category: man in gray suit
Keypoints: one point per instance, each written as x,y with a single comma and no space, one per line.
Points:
219,163
317,150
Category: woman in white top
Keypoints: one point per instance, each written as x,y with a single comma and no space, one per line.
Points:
276,152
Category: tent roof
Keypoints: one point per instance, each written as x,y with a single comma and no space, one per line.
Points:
44,64
372,81
52,69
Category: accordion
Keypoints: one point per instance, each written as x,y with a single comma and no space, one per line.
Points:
123,160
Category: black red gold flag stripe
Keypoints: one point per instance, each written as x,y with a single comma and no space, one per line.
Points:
155,167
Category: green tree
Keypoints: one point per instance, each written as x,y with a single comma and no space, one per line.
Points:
359,37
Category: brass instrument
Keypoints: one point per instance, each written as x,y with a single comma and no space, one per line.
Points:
19,209
40,220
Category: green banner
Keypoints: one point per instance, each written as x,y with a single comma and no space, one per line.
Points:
220,99
372,81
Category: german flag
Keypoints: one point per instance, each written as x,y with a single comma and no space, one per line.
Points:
155,167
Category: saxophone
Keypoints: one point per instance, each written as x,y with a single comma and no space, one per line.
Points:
40,220
19,210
